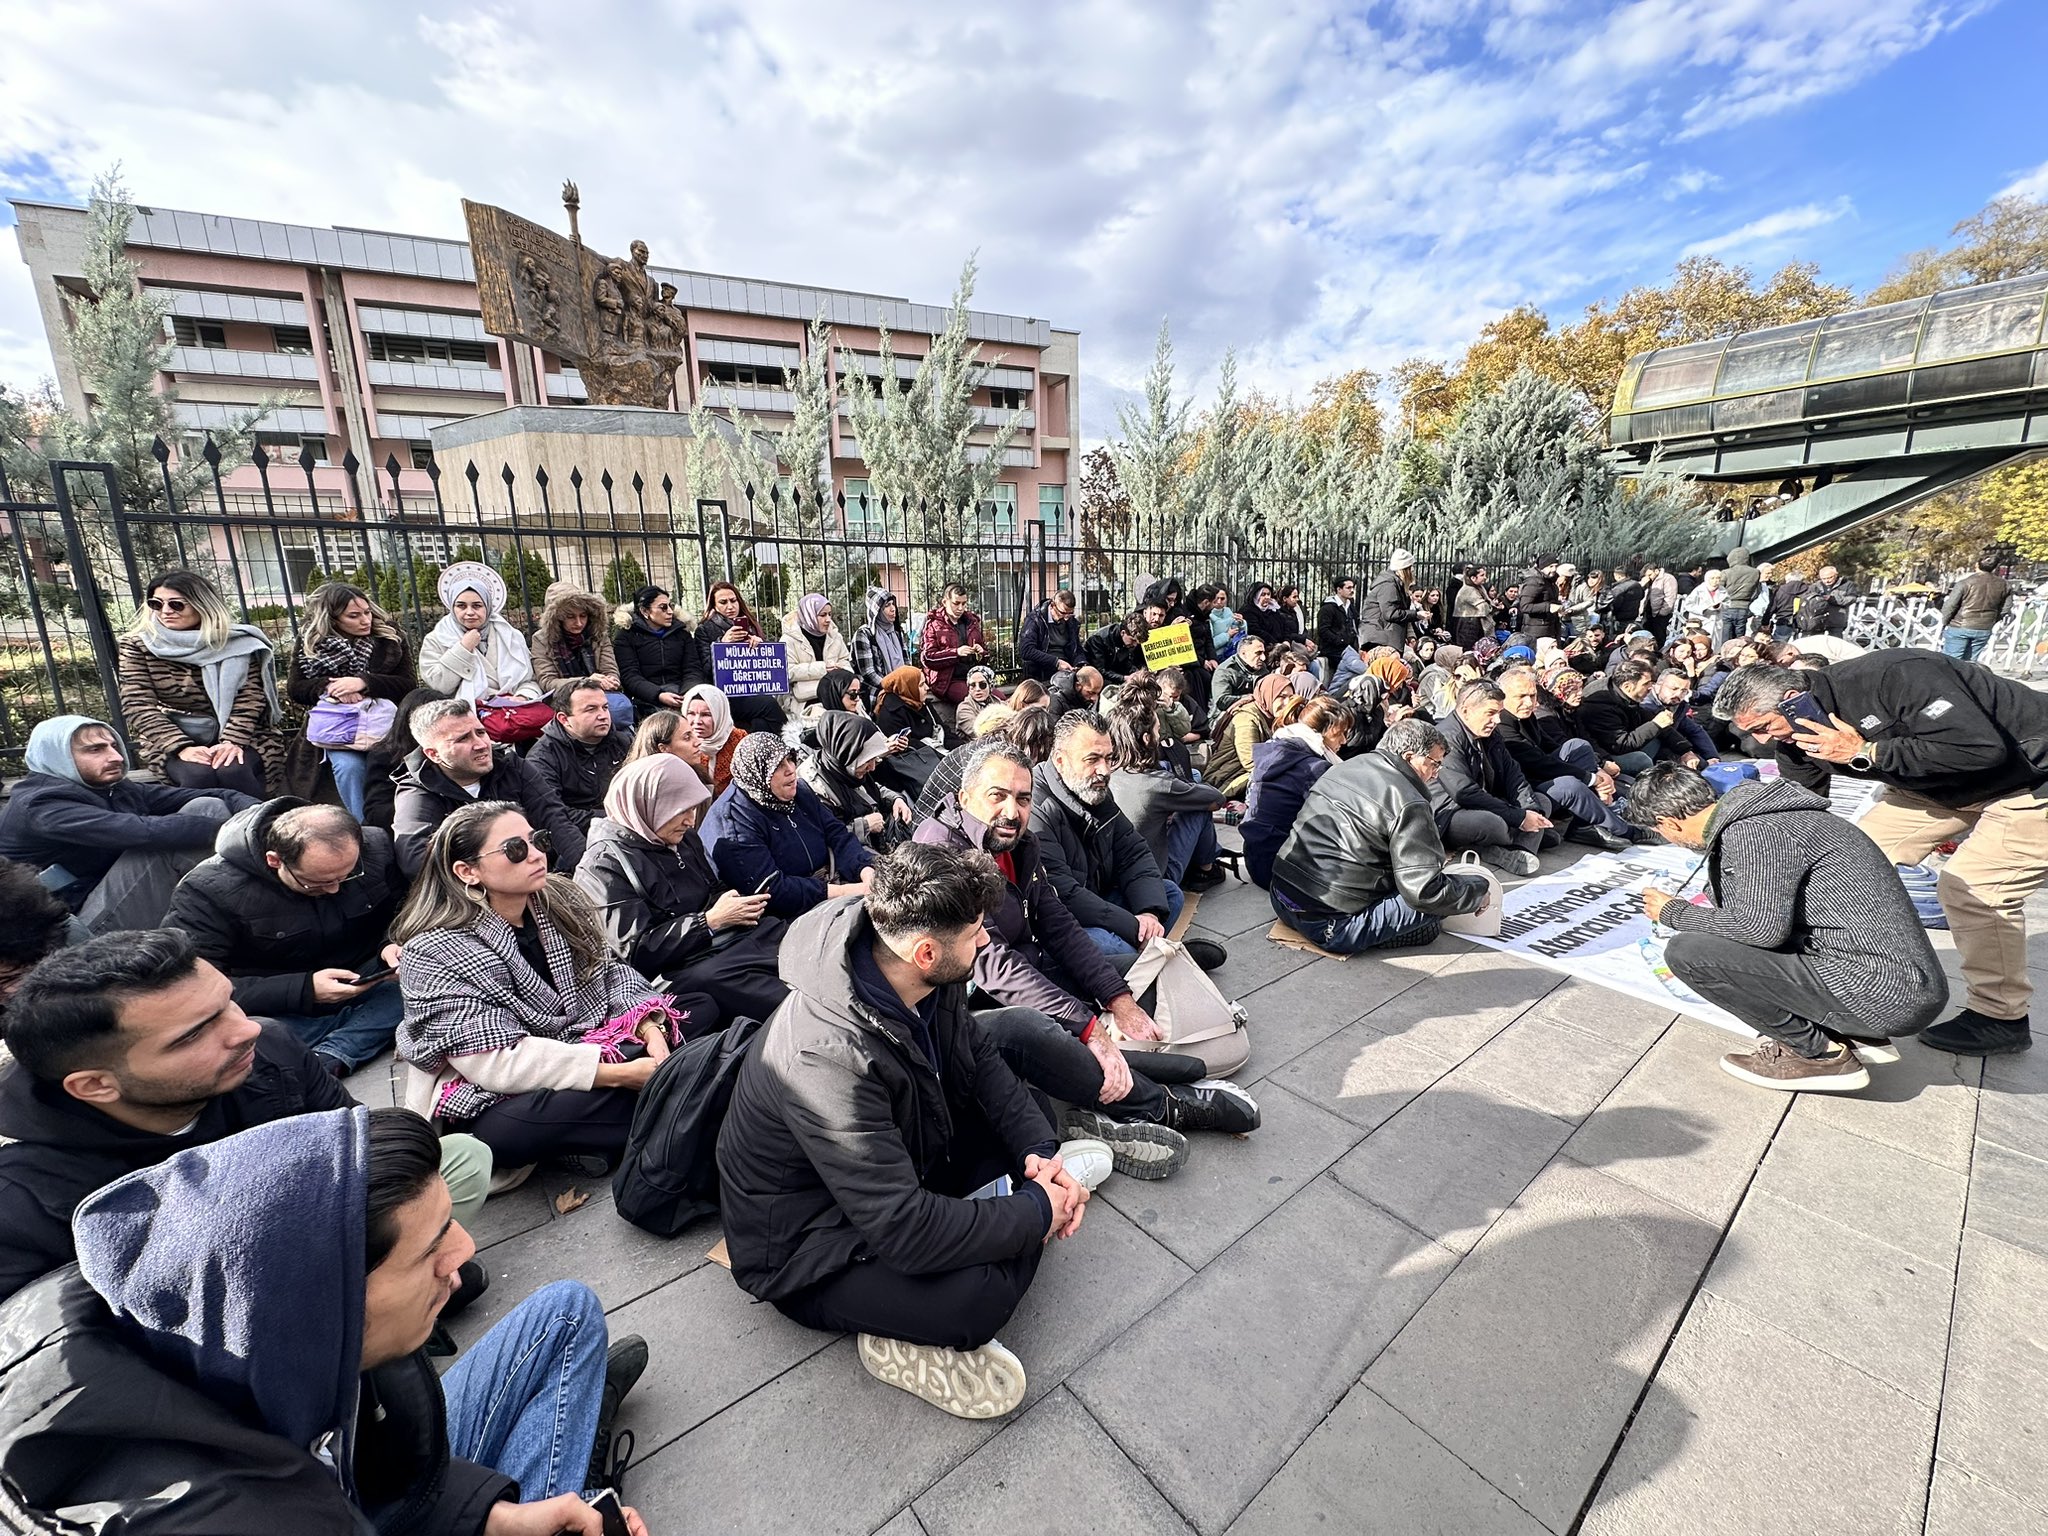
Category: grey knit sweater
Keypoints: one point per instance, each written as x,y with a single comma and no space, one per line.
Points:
1787,874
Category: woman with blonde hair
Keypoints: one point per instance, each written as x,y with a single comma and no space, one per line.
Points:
350,652
199,690
520,1026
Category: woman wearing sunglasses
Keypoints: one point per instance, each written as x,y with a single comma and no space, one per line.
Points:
520,1028
199,690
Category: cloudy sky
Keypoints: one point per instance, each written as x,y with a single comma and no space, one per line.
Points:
1321,186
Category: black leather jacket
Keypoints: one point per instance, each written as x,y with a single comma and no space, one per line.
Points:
1364,833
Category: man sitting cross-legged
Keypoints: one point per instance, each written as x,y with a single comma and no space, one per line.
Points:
1044,971
128,1049
1364,866
881,1169
239,1352
1811,940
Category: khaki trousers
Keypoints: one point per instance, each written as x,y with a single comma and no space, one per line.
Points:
1983,888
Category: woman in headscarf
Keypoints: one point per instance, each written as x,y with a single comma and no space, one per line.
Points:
1394,676
881,645
1247,723
474,653
1264,617
349,652
981,692
841,774
199,691
814,644
520,1026
904,714
728,620
664,909
659,658
768,832
1307,742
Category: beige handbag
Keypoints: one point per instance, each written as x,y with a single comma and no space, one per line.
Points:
1194,1018
1485,923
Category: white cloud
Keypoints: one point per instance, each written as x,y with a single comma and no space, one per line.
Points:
1320,184
1772,228
2033,185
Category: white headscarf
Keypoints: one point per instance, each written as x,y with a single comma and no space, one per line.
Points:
721,714
503,663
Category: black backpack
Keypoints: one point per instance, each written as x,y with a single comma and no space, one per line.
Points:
668,1175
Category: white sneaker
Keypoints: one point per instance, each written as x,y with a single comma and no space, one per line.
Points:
1088,1160
983,1383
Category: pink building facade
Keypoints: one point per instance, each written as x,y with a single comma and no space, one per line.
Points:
377,338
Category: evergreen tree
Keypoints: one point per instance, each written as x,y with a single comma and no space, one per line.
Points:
918,443
622,578
1152,443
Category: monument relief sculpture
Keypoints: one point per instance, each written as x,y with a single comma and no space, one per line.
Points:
608,317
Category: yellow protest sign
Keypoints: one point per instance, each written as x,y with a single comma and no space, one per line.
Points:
1170,645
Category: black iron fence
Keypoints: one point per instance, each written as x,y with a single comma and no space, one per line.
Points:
80,555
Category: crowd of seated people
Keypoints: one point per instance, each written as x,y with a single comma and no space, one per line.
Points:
586,856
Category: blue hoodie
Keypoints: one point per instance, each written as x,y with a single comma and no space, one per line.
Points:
238,1267
54,818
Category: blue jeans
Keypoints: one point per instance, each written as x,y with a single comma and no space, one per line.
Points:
1190,836
1113,944
523,1399
351,772
355,1033
1964,644
1391,922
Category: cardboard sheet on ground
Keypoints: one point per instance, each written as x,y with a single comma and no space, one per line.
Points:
1587,921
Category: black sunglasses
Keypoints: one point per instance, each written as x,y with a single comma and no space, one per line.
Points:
167,605
516,849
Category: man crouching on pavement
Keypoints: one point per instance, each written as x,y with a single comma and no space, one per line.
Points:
1811,940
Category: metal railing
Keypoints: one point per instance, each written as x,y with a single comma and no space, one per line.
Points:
2019,641
77,562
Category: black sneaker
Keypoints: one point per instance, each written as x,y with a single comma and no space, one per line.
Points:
473,1280
1970,1033
1211,1105
1206,953
1203,878
610,1454
1138,1149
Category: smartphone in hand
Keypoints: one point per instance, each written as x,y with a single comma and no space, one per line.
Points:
606,1503
374,975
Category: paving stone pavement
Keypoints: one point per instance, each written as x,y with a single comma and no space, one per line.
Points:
1509,1255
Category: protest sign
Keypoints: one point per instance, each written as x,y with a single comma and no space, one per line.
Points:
1588,921
741,671
1170,645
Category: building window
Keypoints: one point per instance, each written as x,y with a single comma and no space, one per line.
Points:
422,454
999,512
293,340
1006,399
864,522
199,333
426,349
1052,506
289,445
752,375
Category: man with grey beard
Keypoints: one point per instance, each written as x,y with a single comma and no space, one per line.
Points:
1097,862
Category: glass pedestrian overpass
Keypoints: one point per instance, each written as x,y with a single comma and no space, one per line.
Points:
1876,408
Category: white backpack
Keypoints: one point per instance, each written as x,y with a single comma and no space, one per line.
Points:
1194,1018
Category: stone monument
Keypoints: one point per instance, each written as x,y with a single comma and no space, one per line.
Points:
623,331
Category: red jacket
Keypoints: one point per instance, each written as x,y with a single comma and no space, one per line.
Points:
944,677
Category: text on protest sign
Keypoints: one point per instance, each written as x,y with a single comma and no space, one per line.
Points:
741,671
1170,645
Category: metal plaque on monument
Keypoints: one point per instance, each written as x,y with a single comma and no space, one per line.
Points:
620,328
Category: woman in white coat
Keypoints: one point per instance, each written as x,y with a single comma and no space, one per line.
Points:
474,653
814,644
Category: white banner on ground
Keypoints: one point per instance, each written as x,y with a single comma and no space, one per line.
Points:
1587,921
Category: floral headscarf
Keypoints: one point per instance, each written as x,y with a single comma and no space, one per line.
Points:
754,763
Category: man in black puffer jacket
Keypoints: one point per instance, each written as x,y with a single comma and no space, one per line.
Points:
294,906
869,1110
580,751
1537,601
455,752
1050,641
300,1398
